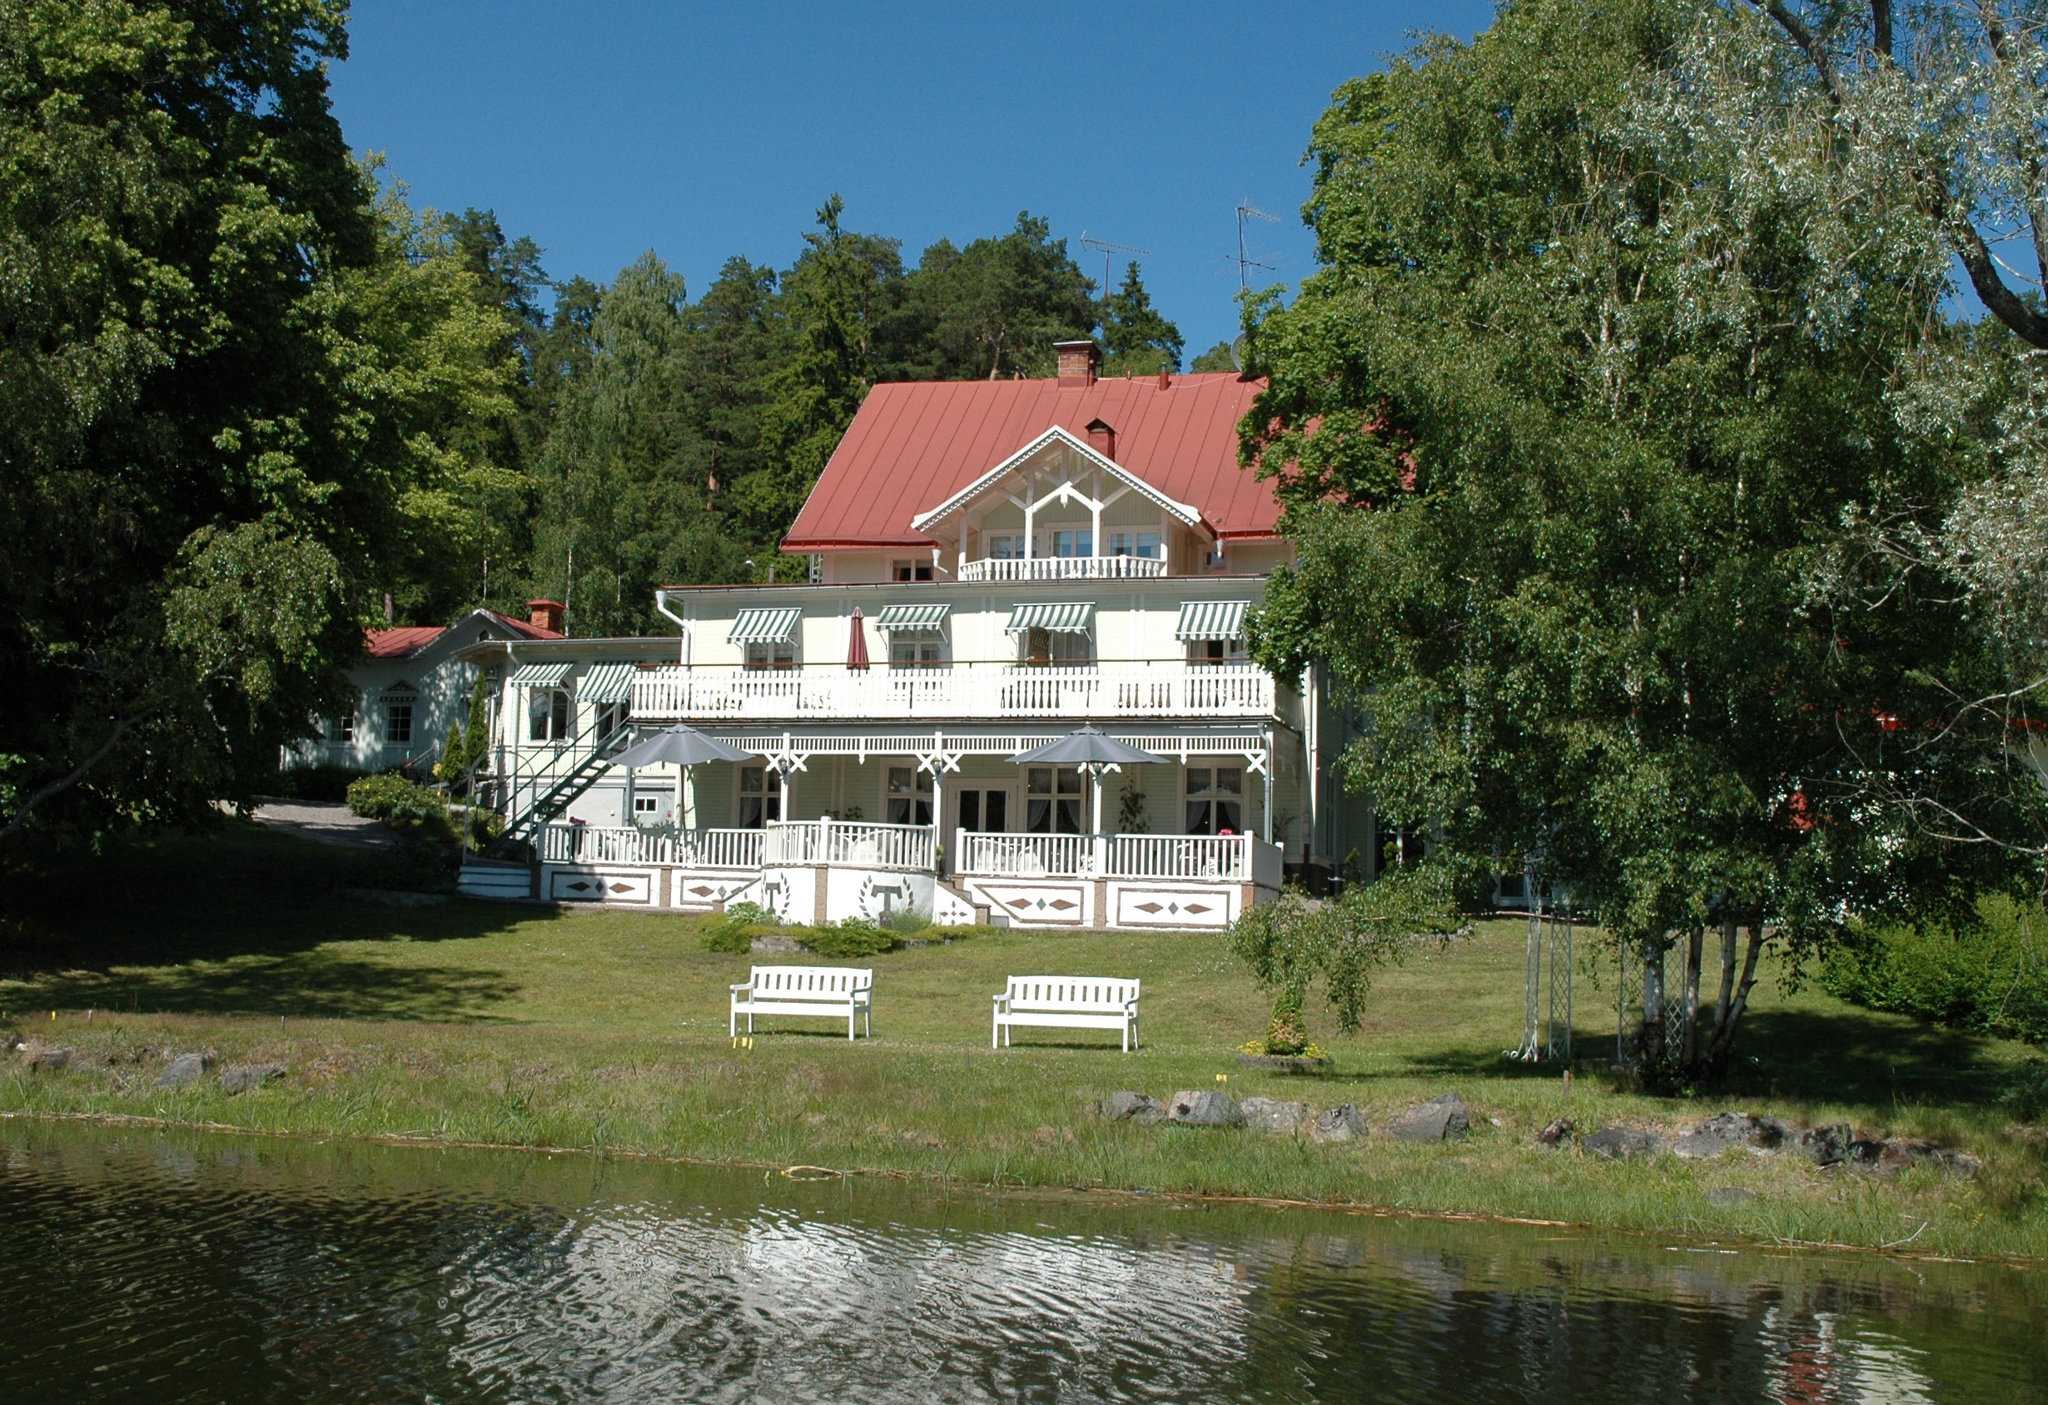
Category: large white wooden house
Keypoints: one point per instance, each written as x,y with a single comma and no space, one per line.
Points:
985,566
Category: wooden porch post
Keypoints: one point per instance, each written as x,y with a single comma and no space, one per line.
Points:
1272,764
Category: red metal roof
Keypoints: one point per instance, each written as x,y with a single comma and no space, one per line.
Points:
915,444
407,640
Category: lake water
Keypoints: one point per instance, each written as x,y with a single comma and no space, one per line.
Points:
175,1266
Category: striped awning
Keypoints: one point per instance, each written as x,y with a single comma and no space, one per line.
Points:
539,675
1055,619
912,619
1211,619
607,683
771,626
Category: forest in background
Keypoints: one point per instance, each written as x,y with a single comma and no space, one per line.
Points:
649,437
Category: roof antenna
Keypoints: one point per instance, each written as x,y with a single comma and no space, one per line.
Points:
1106,248
1245,262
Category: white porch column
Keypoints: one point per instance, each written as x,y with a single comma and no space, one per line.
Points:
1096,844
1272,765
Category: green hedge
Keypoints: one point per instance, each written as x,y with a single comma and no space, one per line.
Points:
1991,977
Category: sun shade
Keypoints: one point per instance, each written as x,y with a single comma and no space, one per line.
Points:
607,683
912,619
1056,619
1211,619
540,675
771,626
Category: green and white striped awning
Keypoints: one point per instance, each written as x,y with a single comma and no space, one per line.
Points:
606,683
1055,619
912,619
771,626
1211,619
539,675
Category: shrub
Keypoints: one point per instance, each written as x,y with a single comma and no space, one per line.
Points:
850,940
1990,977
750,912
374,797
907,921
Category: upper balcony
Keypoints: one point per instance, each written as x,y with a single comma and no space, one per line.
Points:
1165,690
1062,568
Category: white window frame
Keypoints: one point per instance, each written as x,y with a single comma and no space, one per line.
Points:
1063,783
1126,541
646,805
770,796
560,723
342,728
1063,648
919,793
394,709
1004,546
1084,531
910,570
916,651
1216,653
771,656
1210,795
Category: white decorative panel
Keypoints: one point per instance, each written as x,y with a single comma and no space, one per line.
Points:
695,891
1041,904
632,887
1152,905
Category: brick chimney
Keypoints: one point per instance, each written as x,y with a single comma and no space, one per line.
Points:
1102,438
1079,361
546,614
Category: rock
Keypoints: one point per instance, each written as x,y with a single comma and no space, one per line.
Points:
242,1077
1556,1133
1728,1130
1341,1123
1273,1115
1864,1152
11,1041
1130,1107
184,1069
1896,1156
1441,1119
1730,1195
776,946
48,1060
1829,1145
1622,1144
1204,1109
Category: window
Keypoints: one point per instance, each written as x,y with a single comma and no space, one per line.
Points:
1137,543
907,799
342,728
1006,546
1052,800
647,804
916,653
610,717
1056,648
1073,541
760,801
778,654
547,715
398,722
1216,651
1215,799
910,570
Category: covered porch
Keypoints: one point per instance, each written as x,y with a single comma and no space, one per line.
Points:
820,826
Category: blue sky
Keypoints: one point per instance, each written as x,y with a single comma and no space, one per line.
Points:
700,132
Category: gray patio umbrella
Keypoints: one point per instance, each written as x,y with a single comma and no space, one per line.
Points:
681,747
1090,750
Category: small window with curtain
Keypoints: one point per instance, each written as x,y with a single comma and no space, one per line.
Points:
1052,800
760,798
916,652
1215,802
776,654
1126,542
907,796
547,715
1055,648
1216,651
1005,546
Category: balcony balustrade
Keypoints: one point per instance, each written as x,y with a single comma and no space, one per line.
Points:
748,695
1063,568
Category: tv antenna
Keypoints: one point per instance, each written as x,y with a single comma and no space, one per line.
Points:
1246,210
1106,248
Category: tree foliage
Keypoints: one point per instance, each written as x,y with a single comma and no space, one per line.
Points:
1136,339
1581,393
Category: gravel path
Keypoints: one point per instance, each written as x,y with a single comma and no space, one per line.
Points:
325,822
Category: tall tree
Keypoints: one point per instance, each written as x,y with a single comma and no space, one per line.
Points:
1219,357
1586,410
996,307
223,402
1137,339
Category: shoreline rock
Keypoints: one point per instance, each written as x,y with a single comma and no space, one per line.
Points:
1441,1119
1203,1109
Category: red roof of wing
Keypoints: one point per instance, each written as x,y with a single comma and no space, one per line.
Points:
915,444
407,640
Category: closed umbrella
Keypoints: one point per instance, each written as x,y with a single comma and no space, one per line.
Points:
1091,751
857,645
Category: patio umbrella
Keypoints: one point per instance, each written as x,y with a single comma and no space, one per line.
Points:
857,644
682,747
1092,751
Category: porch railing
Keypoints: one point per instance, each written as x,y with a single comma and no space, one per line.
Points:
1161,690
690,848
851,844
1063,568
1226,858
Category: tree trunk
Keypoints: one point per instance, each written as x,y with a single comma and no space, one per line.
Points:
1693,944
1724,1028
1650,1042
1727,970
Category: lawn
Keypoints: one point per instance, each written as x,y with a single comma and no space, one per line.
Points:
471,1022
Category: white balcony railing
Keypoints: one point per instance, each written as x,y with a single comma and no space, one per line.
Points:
850,844
1224,858
1161,690
1063,568
690,848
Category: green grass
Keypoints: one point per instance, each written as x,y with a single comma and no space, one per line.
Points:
470,1022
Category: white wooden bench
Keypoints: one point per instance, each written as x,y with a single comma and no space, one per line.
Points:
837,991
1068,1002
